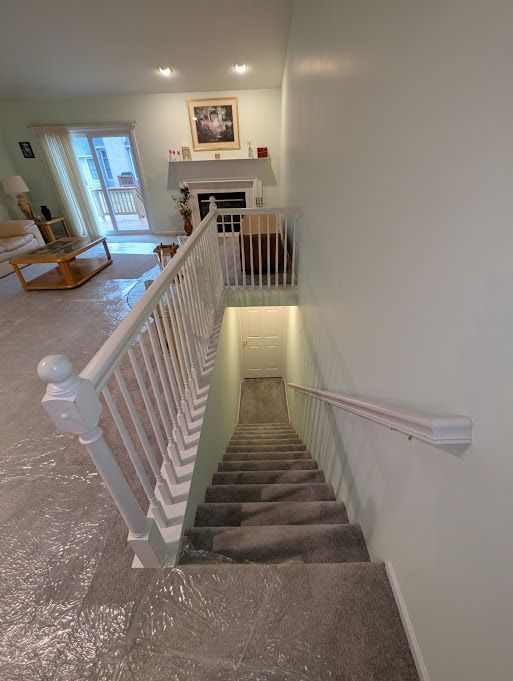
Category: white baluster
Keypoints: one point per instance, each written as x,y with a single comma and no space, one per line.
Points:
268,253
164,413
157,431
161,317
217,255
188,406
74,406
259,217
293,266
285,235
157,354
276,252
251,258
235,264
225,248
190,308
202,296
242,246
155,505
162,486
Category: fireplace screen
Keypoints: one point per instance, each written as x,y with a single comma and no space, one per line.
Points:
224,200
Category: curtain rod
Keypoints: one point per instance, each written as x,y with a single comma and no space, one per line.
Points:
94,124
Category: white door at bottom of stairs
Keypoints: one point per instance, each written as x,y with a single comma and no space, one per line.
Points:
262,331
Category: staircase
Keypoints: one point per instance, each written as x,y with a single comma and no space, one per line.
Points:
283,540
269,503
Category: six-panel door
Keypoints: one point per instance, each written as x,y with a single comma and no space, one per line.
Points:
262,331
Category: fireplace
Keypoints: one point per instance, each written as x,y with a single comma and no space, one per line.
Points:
224,200
241,192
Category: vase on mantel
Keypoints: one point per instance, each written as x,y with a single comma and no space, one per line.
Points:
187,224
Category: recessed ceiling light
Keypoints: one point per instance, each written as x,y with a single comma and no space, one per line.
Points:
240,68
165,71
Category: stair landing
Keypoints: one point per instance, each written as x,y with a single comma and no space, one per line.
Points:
324,622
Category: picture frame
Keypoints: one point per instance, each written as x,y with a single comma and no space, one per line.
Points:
214,123
26,150
186,154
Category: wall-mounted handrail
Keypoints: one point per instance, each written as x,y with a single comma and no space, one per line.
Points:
435,429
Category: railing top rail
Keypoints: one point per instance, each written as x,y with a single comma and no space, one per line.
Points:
253,211
100,366
431,428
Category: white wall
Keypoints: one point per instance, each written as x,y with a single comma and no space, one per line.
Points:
398,145
162,122
221,414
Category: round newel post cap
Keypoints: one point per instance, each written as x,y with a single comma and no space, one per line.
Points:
54,369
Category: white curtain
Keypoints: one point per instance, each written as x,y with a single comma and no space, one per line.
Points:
56,144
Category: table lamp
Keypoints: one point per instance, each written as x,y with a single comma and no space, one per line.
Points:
15,184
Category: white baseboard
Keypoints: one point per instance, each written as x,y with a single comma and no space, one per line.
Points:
407,624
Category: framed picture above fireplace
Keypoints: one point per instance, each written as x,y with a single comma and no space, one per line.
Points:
214,123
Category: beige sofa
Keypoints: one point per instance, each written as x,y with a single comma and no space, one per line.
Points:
17,236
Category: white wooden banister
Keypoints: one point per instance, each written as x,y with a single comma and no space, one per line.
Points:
74,407
116,345
437,430
149,383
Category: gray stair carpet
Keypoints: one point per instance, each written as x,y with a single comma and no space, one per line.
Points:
270,504
262,401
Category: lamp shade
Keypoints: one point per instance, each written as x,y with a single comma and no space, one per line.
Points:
14,184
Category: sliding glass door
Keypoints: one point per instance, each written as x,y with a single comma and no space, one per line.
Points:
109,170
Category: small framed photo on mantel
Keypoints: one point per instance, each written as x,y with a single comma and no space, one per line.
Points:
214,124
26,150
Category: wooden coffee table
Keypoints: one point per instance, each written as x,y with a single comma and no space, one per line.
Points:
69,272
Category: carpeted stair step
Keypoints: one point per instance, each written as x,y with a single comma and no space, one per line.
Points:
280,543
261,456
270,432
294,447
267,477
265,433
280,434
265,424
271,513
265,429
264,440
268,465
315,491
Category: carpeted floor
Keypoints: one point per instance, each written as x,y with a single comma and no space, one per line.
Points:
67,591
263,401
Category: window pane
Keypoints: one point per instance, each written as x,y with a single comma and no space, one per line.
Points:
92,169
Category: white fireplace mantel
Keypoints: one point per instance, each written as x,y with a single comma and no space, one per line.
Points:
251,186
220,176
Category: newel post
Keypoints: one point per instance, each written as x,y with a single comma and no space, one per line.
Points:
74,406
212,205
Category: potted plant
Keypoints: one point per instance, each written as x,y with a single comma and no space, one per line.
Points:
183,205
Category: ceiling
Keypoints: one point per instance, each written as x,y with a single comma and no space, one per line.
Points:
61,48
